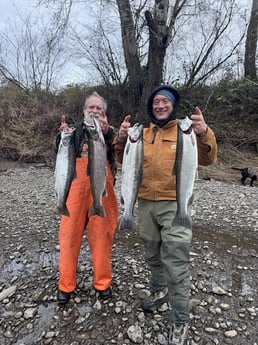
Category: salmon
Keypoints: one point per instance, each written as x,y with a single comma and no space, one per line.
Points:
96,169
132,165
185,170
64,168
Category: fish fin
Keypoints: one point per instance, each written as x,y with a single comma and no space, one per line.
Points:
196,176
97,211
127,148
140,177
174,170
191,199
183,220
127,222
88,169
63,210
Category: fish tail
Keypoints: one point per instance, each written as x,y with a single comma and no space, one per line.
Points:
97,211
183,220
127,222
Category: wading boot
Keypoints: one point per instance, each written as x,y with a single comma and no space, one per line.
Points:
155,301
63,297
105,294
178,334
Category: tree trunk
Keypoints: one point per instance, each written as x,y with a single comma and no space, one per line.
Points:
158,42
251,44
130,47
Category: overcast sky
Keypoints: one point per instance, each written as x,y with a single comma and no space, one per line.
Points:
10,8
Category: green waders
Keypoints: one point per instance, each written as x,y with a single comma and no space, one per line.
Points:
167,253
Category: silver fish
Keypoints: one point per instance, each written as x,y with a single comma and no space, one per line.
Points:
185,169
64,168
131,175
96,169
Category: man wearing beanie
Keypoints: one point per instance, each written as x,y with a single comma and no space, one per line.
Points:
167,246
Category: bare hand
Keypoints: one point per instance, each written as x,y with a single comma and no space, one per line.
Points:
64,126
199,125
103,121
123,131
63,123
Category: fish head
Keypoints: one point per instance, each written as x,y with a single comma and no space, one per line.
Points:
135,132
185,125
67,131
92,127
89,120
185,128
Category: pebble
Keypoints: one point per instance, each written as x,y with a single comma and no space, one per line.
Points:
7,292
224,272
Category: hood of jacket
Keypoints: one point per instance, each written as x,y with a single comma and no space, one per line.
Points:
172,115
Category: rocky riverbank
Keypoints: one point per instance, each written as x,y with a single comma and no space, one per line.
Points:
224,271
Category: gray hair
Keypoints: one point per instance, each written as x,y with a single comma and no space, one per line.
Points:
95,94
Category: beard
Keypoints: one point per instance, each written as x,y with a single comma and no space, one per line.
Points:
88,117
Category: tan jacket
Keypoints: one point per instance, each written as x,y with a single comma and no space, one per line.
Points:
159,157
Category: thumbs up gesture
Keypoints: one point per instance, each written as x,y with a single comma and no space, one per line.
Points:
199,125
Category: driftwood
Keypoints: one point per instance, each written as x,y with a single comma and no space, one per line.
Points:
249,142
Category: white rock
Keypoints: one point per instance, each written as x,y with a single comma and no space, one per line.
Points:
230,334
135,334
211,330
218,290
30,313
97,305
7,292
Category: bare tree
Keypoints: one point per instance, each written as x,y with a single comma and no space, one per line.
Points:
152,30
32,52
130,46
206,22
95,47
251,44
161,25
211,46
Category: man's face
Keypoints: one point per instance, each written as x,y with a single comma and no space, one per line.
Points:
161,107
95,106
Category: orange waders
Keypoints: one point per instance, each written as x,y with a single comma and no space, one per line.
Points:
101,231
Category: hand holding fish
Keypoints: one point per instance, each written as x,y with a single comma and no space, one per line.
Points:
199,125
123,131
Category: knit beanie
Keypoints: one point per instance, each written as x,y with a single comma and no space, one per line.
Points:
167,94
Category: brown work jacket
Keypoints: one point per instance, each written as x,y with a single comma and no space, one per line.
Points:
159,144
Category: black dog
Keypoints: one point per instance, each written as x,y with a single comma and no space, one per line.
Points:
252,173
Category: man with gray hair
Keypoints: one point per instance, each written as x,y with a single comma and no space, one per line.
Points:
101,230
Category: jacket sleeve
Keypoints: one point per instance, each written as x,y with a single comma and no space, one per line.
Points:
207,148
119,145
110,135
